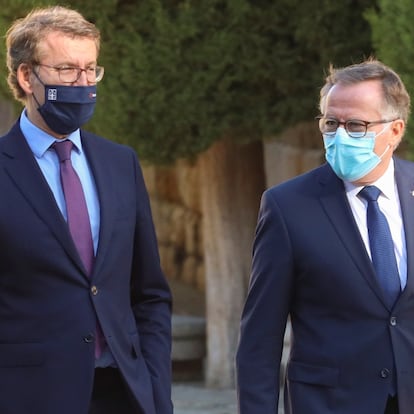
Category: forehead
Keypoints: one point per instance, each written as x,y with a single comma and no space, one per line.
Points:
60,47
362,100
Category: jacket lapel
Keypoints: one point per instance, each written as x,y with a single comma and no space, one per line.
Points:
404,175
336,206
105,187
23,170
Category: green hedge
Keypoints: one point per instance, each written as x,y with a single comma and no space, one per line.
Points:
181,74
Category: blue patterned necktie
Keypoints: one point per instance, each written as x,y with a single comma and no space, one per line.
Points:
382,246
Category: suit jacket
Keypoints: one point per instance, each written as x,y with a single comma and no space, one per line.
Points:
49,307
310,263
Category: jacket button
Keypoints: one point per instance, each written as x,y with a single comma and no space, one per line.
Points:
384,373
393,320
89,338
94,290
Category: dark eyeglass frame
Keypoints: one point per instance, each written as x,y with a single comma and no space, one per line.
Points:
98,72
358,123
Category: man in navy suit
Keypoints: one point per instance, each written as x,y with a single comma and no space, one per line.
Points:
352,348
77,336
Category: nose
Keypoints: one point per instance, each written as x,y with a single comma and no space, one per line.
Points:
82,80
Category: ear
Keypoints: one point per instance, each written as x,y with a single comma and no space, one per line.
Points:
24,72
397,131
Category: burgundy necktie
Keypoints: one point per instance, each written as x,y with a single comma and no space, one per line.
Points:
77,215
77,212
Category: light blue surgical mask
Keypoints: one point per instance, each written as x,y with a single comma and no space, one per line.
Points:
352,158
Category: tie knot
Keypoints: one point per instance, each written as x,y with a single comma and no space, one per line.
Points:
63,149
370,193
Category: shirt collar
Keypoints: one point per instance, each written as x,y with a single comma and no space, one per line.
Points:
386,183
40,141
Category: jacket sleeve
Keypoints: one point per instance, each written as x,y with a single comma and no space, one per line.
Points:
151,301
265,313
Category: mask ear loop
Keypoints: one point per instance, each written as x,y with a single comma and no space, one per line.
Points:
381,132
385,151
383,129
34,96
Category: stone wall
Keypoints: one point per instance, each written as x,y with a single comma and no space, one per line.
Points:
298,150
175,203
175,200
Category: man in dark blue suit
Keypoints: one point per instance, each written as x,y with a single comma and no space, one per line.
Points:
85,310
315,261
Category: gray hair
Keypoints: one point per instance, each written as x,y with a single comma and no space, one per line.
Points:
396,99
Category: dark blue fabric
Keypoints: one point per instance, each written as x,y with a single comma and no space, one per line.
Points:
382,246
310,265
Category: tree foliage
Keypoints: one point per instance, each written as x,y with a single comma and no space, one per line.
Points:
393,40
181,74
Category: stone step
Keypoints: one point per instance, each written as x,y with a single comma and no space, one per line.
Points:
188,347
189,337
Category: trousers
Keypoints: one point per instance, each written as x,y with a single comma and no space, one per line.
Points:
110,394
392,406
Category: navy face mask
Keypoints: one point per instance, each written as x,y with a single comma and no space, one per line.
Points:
67,108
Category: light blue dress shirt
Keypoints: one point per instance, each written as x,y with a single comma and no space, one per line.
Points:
39,142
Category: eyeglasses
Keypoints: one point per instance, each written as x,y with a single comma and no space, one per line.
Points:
70,74
355,128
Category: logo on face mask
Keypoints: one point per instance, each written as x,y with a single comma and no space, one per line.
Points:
52,95
352,158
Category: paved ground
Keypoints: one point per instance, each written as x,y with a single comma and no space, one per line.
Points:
194,398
